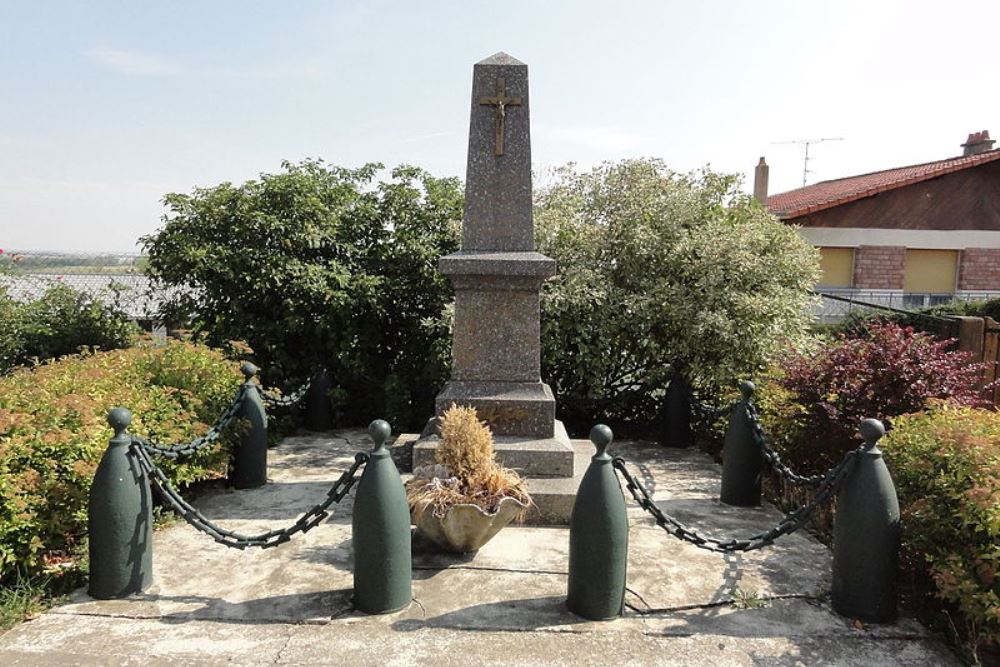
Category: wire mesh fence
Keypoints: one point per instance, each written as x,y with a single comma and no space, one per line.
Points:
116,278
836,304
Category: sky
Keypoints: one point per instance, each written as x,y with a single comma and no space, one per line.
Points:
107,106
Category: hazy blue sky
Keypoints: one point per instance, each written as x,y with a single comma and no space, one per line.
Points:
106,106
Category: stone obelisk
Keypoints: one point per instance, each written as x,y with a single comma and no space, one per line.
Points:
497,276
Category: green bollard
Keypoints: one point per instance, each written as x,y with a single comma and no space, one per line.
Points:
742,460
120,519
598,538
380,532
319,416
249,467
677,406
866,536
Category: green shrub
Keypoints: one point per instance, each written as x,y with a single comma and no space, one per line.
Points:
53,433
659,269
316,265
60,322
946,466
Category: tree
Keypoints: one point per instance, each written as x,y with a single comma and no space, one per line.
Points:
315,265
658,270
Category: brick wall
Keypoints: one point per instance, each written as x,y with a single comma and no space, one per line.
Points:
879,267
979,269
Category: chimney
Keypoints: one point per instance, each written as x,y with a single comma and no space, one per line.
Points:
978,142
760,182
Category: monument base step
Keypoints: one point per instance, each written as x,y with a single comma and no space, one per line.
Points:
508,407
554,496
552,467
531,457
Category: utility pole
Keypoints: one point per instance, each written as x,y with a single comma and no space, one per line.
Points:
805,158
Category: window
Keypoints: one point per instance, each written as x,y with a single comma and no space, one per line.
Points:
930,271
837,265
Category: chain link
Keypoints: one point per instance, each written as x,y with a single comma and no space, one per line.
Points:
201,442
792,521
773,458
276,399
234,540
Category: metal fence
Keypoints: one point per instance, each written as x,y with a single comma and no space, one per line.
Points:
113,277
836,304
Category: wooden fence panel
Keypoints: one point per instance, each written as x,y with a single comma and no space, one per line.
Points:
991,356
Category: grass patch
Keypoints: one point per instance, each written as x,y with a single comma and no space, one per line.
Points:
748,600
26,597
20,601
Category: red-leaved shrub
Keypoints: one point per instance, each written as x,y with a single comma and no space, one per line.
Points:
883,372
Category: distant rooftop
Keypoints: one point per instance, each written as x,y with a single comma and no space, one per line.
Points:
827,194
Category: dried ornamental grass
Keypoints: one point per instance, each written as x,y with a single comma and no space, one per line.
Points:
467,472
466,443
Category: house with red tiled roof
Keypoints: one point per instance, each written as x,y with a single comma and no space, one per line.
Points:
911,236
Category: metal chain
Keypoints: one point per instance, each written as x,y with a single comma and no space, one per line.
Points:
201,442
774,459
278,400
792,521
228,538
710,412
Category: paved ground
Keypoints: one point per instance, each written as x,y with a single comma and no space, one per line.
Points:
502,606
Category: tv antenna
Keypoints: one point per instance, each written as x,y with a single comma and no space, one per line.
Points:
805,158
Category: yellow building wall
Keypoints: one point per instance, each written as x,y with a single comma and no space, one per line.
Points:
837,265
933,271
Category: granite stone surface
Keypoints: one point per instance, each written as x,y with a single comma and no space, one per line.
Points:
498,275
498,187
487,263
511,408
496,336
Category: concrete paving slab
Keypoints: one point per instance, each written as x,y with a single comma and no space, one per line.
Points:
504,605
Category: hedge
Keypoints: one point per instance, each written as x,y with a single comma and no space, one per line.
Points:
946,466
59,322
53,432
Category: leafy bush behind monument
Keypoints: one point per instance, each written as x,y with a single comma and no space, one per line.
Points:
321,265
658,270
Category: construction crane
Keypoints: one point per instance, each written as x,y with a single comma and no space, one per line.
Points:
805,158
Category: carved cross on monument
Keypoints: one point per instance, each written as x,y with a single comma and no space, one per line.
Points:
501,102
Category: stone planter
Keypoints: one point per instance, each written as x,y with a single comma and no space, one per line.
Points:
465,528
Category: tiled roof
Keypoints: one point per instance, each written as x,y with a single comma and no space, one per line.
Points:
828,194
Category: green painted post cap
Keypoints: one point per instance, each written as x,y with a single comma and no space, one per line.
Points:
119,419
379,430
871,430
601,435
